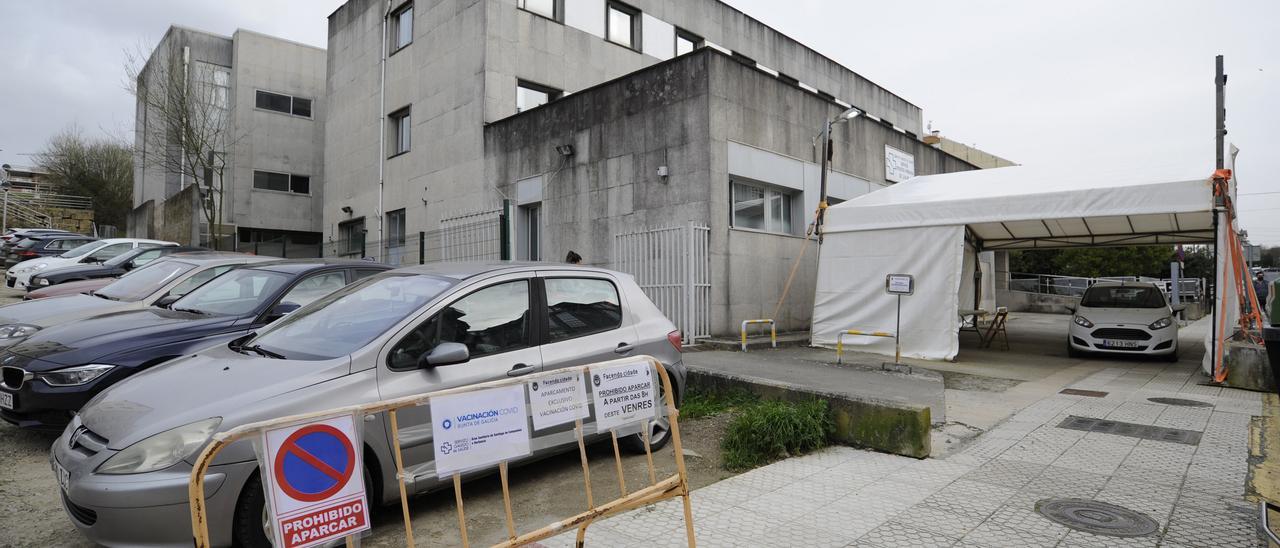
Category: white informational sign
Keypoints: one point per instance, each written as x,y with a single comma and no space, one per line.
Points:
898,165
623,394
899,284
478,429
314,481
558,399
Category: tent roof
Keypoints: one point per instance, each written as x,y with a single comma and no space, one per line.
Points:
1024,207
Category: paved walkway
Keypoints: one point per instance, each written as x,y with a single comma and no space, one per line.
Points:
985,494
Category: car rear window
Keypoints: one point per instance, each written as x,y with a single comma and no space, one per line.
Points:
1123,297
581,306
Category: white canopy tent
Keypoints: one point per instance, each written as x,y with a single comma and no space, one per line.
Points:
934,227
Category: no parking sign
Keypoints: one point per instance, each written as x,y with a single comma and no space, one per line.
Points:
314,481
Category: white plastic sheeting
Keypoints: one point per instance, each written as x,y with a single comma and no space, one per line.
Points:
933,227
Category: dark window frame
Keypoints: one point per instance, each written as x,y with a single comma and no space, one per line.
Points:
393,46
393,127
553,94
533,336
545,314
293,107
557,9
290,181
682,34
637,32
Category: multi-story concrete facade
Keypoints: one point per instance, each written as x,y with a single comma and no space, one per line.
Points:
451,106
271,97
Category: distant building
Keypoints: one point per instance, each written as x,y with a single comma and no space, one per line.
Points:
273,94
975,156
29,178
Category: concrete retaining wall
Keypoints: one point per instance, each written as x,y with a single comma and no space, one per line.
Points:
889,427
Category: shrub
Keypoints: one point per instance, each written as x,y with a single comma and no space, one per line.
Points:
774,430
698,404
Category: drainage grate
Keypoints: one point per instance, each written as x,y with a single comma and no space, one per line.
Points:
1180,402
1133,430
1099,518
1079,392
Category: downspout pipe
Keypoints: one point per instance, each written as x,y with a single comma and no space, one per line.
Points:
382,124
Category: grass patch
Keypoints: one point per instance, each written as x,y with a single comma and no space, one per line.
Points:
774,430
698,404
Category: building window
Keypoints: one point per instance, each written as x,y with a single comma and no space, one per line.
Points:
281,182
622,24
286,104
551,9
763,208
351,237
395,228
529,243
401,131
686,41
530,95
402,27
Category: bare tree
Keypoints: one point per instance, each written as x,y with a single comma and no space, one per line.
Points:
98,167
184,105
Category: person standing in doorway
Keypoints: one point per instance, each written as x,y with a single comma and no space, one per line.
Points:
573,258
1262,289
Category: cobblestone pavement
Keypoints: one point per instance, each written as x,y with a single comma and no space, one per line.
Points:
985,495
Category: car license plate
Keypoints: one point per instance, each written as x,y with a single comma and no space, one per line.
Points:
6,401
64,477
1120,344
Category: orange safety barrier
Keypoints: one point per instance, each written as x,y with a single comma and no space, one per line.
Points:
1251,322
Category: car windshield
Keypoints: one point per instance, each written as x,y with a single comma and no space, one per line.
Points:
1123,297
235,293
124,257
82,250
348,319
144,281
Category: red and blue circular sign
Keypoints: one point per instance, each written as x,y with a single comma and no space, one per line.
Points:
314,463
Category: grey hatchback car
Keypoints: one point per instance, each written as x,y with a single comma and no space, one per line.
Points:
124,461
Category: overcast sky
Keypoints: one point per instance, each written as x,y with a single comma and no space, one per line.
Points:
1064,83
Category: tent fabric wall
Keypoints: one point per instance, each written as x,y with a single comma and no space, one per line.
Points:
851,292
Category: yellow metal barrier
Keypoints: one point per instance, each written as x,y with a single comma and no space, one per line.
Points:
658,490
773,331
860,333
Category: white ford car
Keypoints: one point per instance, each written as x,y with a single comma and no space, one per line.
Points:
93,252
1124,318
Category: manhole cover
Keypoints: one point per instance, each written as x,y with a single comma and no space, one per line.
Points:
1099,518
1180,401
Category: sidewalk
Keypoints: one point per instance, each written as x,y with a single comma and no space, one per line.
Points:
986,494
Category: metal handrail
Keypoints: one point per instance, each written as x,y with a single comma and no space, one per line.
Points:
1262,521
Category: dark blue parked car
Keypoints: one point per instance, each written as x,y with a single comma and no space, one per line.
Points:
51,374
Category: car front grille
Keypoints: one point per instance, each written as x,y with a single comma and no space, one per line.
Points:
13,377
1121,334
81,514
86,441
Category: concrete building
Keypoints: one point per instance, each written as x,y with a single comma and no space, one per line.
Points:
973,155
268,94
579,114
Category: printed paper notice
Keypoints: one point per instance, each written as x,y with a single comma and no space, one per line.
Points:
558,399
478,429
623,394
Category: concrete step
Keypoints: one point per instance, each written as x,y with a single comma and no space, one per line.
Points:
794,339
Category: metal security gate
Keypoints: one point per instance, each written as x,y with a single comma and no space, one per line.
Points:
475,236
673,267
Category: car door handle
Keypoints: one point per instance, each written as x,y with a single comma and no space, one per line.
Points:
623,348
521,369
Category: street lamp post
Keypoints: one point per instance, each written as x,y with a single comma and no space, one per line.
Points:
845,116
4,185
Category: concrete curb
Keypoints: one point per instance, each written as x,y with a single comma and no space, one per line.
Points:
885,426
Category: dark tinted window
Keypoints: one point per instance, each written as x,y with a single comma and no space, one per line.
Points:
267,180
274,101
302,107
1123,297
581,306
300,184
492,320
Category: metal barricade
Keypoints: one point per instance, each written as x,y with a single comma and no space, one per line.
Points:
859,333
773,331
657,490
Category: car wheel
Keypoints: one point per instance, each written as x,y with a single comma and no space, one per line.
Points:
249,529
1172,356
1072,352
659,432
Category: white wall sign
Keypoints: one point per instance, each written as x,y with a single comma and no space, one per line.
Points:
623,394
898,165
558,399
899,284
478,429
315,481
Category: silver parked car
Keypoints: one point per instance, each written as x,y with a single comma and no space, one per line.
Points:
123,463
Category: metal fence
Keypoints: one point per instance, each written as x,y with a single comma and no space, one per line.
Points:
672,265
1192,289
471,237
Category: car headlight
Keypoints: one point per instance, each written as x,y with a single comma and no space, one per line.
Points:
161,450
74,376
42,281
17,331
1161,323
1083,322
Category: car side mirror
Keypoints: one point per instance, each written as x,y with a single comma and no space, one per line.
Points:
449,353
1178,307
167,300
281,310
